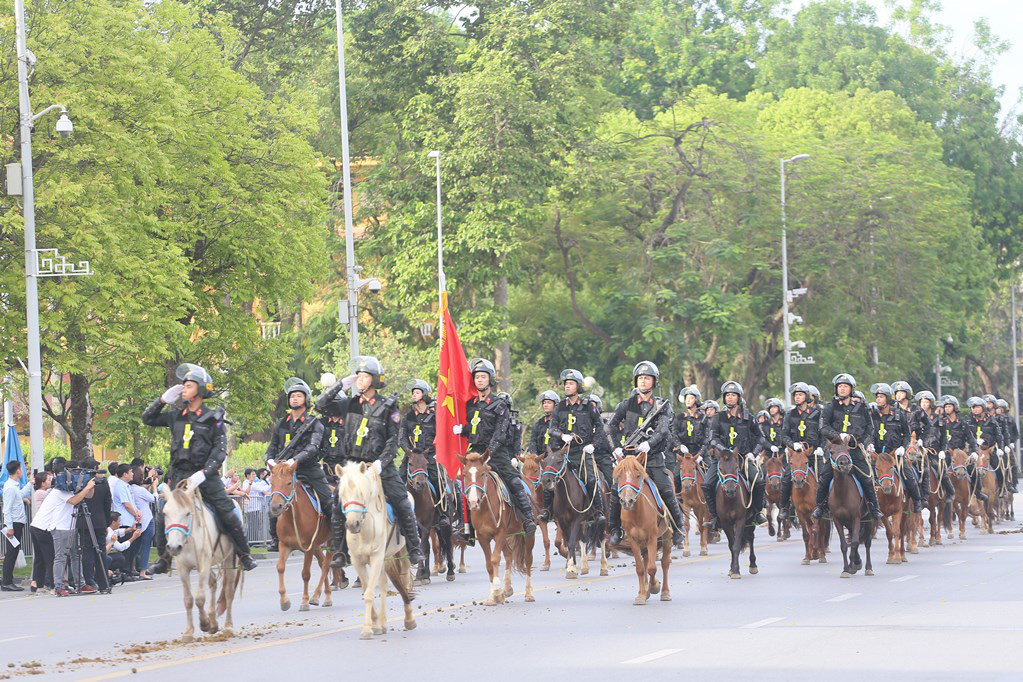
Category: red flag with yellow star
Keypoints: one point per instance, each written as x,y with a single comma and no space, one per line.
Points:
454,388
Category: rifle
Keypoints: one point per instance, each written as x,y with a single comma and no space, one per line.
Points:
633,440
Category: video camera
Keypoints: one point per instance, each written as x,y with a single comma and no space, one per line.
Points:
74,479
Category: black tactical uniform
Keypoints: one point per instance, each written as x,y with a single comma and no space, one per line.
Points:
852,418
988,429
924,426
305,450
891,432
956,434
416,434
580,420
736,430
539,436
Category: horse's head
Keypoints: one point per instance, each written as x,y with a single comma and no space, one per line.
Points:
774,469
474,474
357,486
417,470
728,471
555,464
687,465
840,457
178,520
799,465
630,474
984,456
887,470
532,464
960,460
283,484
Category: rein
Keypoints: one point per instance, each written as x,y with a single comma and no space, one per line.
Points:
288,500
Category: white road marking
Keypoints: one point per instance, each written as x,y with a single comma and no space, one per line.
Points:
761,623
651,657
161,615
15,639
844,597
957,562
904,578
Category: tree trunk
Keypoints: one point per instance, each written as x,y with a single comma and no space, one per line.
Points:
81,416
502,353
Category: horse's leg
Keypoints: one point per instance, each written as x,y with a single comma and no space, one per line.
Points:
437,545
186,587
461,559
584,553
854,544
602,547
571,543
751,533
702,516
200,599
637,554
508,590
844,545
665,564
447,550
307,560
317,554
889,530
324,559
211,610
232,576
495,558
488,560
735,539
423,569
653,543
365,573
380,627
685,529
530,542
868,537
282,560
546,548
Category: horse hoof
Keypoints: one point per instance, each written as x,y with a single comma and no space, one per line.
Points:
227,632
421,581
639,601
451,577
314,602
868,572
366,634
461,570
914,551
545,567
665,596
703,552
327,603
285,605
343,584
754,570
846,574
379,631
823,560
685,552
490,602
571,575
435,572
805,562
529,598
508,592
410,625
603,572
187,639
303,607
585,571
892,561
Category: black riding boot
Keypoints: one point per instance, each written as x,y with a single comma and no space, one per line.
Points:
521,503
616,521
946,483
598,505
409,529
338,538
978,492
757,503
925,482
870,495
163,562
913,488
710,494
548,506
823,489
786,498
233,525
678,535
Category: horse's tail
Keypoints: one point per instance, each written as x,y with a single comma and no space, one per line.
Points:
519,551
232,577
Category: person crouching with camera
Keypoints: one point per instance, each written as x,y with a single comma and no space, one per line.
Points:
56,517
118,542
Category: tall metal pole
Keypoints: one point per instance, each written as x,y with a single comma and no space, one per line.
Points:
1015,359
351,273
785,291
441,279
35,380
937,375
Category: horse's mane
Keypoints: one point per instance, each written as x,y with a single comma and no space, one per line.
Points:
631,465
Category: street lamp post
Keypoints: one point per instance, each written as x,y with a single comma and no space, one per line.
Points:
786,294
441,280
1015,359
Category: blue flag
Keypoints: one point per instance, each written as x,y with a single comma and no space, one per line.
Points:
12,453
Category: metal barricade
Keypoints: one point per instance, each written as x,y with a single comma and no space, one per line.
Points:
257,520
26,535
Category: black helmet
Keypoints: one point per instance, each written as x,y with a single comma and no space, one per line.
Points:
189,372
370,365
594,398
924,394
296,385
645,368
506,396
764,414
859,394
815,392
731,387
338,405
844,378
951,400
690,390
901,386
974,401
422,386
573,375
549,395
884,389
1002,403
477,365
774,402
710,403
800,387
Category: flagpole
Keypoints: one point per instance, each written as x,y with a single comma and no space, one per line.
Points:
441,283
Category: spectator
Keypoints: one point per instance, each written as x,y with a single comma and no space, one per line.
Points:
42,542
142,490
115,548
56,517
15,499
99,511
124,503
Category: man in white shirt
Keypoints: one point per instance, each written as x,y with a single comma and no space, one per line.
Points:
14,523
56,515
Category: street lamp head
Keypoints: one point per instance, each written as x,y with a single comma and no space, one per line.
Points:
64,125
798,157
435,154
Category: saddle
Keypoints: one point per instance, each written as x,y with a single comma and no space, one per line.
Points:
656,494
216,518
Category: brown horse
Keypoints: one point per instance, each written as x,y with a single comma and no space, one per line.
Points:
430,508
988,484
894,503
645,527
804,499
692,500
733,504
496,522
961,483
774,471
848,511
937,504
299,526
572,508
531,467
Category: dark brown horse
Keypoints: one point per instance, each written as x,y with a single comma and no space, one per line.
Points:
299,526
733,506
532,466
774,471
938,505
848,511
645,527
804,499
692,500
572,508
430,507
496,522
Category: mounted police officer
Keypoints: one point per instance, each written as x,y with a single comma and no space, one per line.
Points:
901,392
332,404
891,434
924,424
602,452
630,417
371,435
988,433
514,425
801,432
734,429
689,428
1011,432
576,423
488,428
848,420
198,446
815,396
416,434
956,434
539,435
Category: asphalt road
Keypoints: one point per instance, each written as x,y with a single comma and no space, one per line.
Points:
951,611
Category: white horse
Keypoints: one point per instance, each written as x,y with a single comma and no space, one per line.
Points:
375,546
196,545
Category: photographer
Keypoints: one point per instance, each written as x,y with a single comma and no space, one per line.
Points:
56,517
15,497
143,485
99,511
115,559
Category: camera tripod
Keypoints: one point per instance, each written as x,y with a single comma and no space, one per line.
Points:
104,586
